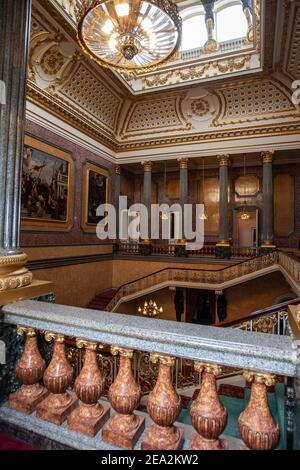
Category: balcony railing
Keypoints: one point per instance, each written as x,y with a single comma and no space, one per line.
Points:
184,277
169,249
56,408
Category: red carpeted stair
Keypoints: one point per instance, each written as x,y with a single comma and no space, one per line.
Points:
102,299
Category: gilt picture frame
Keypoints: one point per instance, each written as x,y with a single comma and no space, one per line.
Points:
95,186
47,187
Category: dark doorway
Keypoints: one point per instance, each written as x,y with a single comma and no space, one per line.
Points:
200,306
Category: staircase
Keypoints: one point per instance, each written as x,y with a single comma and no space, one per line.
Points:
101,300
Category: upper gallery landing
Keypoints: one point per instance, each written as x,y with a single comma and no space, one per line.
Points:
232,45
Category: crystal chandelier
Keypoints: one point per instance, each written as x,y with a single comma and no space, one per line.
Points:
150,309
128,35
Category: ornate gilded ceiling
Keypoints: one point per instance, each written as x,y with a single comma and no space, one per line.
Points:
65,83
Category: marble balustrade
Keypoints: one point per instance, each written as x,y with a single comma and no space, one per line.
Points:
50,391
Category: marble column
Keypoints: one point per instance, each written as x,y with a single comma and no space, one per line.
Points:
184,187
211,44
267,239
14,39
223,246
117,195
145,247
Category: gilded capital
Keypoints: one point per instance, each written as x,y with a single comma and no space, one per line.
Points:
260,377
91,345
207,367
117,169
167,360
147,166
223,160
115,350
267,157
58,338
183,163
21,330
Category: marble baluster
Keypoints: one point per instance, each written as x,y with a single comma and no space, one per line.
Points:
57,378
90,415
209,416
164,406
29,371
125,427
257,426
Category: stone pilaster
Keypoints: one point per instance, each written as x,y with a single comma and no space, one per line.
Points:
14,38
267,239
223,246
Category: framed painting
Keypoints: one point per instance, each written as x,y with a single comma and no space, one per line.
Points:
47,187
95,193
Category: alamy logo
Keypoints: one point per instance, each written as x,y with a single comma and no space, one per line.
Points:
2,92
2,352
296,94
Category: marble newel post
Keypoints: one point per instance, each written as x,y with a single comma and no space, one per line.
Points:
14,40
267,242
145,247
223,246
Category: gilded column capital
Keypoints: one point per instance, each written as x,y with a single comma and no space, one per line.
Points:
167,360
214,369
117,170
223,160
115,350
28,331
260,377
58,338
183,163
147,165
91,345
267,157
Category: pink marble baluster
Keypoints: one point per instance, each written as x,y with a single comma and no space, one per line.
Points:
29,372
209,416
257,426
90,415
164,405
124,428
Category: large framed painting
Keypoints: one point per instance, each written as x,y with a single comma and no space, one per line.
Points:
47,187
95,193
